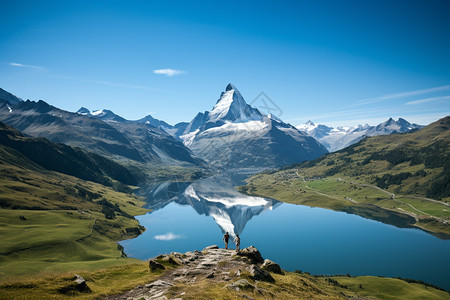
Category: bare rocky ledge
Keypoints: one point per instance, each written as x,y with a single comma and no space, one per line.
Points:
212,263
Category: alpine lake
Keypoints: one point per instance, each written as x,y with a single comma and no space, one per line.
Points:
189,216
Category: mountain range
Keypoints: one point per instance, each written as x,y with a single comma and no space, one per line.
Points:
338,138
234,135
102,132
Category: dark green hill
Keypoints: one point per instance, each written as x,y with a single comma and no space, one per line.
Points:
383,177
19,150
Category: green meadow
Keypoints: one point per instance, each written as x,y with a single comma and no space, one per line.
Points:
54,222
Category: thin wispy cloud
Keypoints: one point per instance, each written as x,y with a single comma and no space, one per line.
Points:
404,94
167,237
426,100
14,64
168,72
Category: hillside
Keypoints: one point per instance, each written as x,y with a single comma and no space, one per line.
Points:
62,158
401,179
215,273
142,146
54,213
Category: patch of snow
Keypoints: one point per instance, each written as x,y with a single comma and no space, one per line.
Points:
97,112
240,126
188,138
273,117
233,201
222,106
191,193
224,221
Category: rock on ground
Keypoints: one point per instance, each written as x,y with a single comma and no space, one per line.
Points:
271,266
213,264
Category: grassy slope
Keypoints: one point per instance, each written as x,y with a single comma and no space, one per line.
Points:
119,279
63,226
350,180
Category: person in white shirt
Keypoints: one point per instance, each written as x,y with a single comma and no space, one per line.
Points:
237,241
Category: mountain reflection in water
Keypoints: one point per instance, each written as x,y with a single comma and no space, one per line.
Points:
319,241
213,196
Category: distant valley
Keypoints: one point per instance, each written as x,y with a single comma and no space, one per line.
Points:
402,174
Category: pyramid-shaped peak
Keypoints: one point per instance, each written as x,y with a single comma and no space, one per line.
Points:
230,87
231,106
84,111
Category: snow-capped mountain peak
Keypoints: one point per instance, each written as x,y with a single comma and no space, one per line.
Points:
230,86
84,111
102,114
231,106
236,135
340,137
307,127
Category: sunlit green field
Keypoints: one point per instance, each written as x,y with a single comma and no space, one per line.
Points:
55,222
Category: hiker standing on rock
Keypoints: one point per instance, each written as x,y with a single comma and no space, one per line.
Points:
237,241
226,237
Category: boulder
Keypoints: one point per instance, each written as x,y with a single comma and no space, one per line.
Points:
271,266
261,275
78,285
170,260
252,253
153,265
211,247
241,284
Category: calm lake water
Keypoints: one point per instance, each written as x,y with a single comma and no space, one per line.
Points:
191,216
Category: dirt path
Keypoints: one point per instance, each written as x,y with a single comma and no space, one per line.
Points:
391,195
323,194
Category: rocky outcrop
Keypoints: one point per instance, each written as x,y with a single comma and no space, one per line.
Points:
259,274
237,270
251,253
153,265
271,266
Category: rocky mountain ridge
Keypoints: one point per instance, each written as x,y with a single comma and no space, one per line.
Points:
102,132
234,135
338,138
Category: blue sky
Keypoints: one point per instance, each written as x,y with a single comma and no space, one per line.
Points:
334,62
